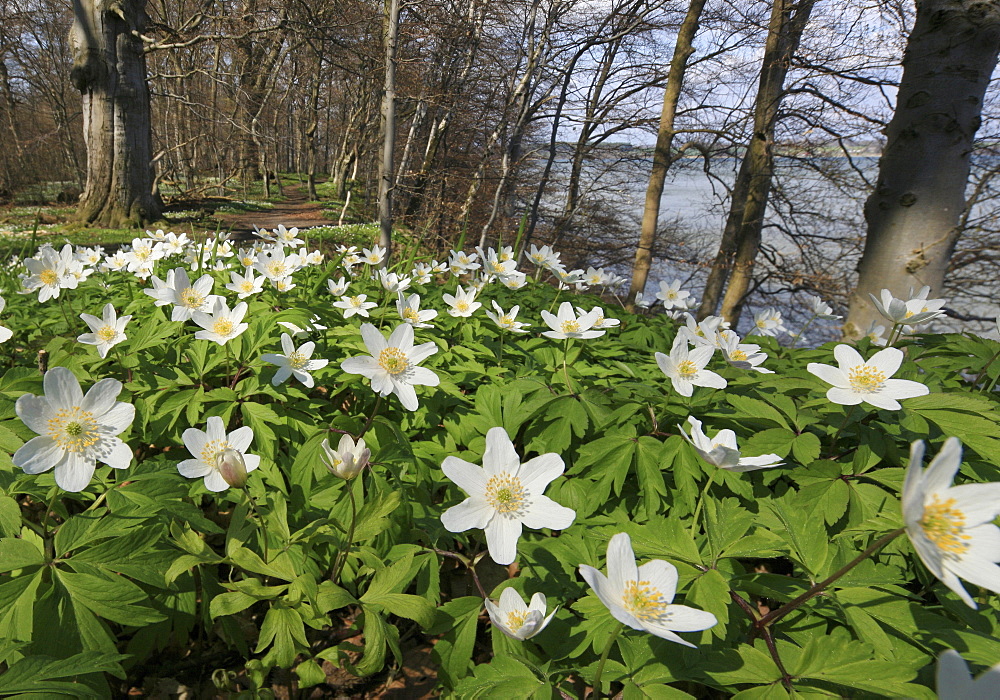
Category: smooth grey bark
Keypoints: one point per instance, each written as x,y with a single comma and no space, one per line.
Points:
914,212
683,48
741,237
109,70
386,168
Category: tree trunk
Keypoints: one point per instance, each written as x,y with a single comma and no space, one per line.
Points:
683,48
386,168
741,236
109,70
920,194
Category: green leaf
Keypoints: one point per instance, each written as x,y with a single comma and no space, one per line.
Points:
777,441
310,674
806,448
503,677
756,410
41,674
16,553
283,627
110,598
10,517
412,607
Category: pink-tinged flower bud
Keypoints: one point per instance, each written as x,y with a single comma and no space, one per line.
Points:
348,459
230,464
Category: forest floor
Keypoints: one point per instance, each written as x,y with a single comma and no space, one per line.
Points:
296,210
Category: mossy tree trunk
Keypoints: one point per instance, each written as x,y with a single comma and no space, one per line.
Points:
109,70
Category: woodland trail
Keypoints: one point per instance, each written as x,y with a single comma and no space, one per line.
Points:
296,211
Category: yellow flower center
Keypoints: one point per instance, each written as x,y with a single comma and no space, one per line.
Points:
106,334
393,360
462,305
246,287
142,253
599,321
48,277
762,324
410,314
297,360
211,451
570,326
738,355
944,525
192,298
506,493
223,327
516,619
246,261
506,320
864,379
644,602
687,369
74,429
276,268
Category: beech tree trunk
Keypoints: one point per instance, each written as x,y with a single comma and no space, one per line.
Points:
109,70
683,48
386,167
741,237
919,197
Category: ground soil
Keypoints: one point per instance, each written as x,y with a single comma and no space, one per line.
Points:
296,211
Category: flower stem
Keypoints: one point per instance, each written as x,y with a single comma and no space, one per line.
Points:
982,372
342,559
818,588
701,502
48,509
371,418
569,386
796,339
604,658
260,521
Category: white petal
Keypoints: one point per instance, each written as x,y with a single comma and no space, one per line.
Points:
241,438
878,399
608,595
194,441
511,601
470,514
621,563
215,482
828,373
407,396
847,357
38,455
102,396
118,417
501,539
844,397
35,412
904,389
544,512
62,388
75,472
422,376
361,364
500,455
710,379
942,469
402,338
467,476
536,474
120,455
685,619
662,576
215,429
287,346
979,503
887,361
421,352
374,341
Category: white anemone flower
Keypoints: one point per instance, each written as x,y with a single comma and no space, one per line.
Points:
222,325
186,297
393,283
768,322
954,681
507,321
901,311
74,431
686,367
515,280
641,596
392,366
7,333
105,332
355,305
951,527
245,285
722,451
409,311
856,380
516,619
373,256
741,355
348,459
294,363
338,288
463,304
206,446
671,295
566,324
704,332
505,495
820,309
461,262
601,321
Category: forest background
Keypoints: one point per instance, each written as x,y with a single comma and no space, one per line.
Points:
467,122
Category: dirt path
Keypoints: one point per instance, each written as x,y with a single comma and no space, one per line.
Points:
296,211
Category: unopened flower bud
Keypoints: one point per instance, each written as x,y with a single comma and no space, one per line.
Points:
348,459
230,464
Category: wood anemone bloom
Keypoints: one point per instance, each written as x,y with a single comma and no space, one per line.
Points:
641,596
505,495
74,431
857,381
516,619
951,527
392,366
